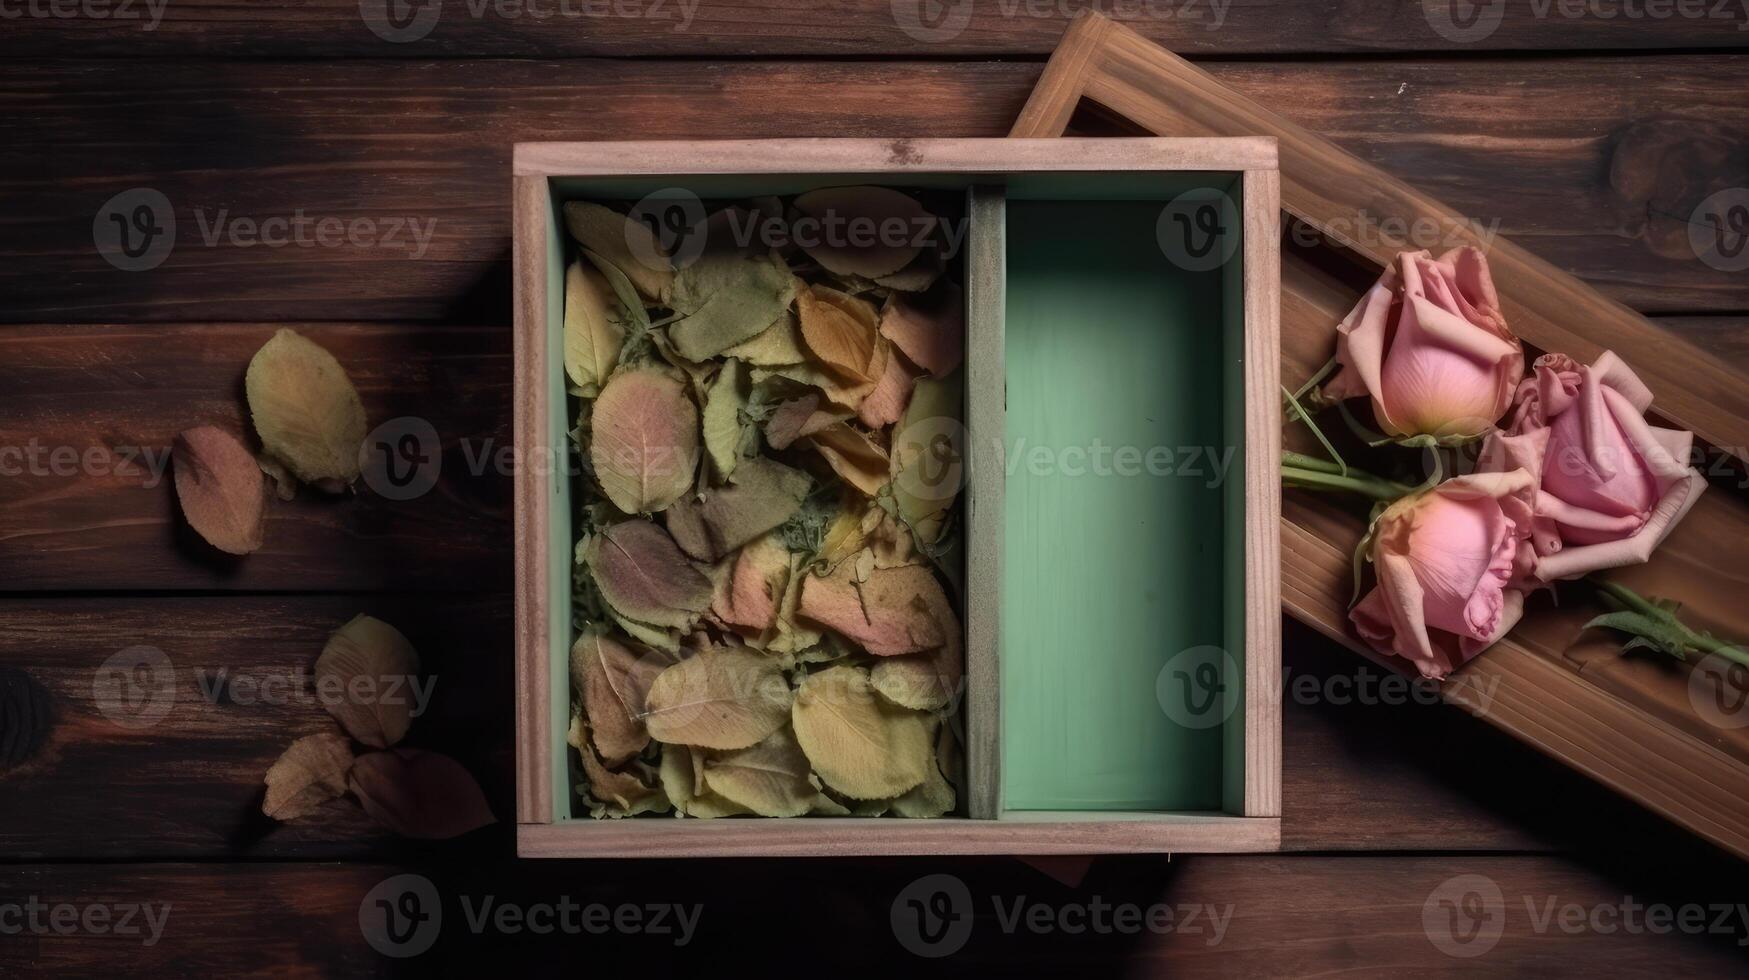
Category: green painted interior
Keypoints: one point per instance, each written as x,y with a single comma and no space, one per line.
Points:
1118,369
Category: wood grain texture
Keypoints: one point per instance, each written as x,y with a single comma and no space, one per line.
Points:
166,760
534,500
986,408
1600,189
1231,915
861,28
1261,196
86,501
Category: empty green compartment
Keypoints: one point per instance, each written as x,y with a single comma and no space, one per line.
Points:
1123,509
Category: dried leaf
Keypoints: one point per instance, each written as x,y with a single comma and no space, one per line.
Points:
922,273
727,698
681,775
854,223
614,793
370,668
884,405
26,717
285,486
630,246
778,344
756,584
793,636
309,774
762,495
614,677
727,299
862,745
305,410
644,441
593,331
221,489
854,456
419,794
840,331
800,417
770,778
930,328
929,452
931,680
893,612
644,577
934,797
723,406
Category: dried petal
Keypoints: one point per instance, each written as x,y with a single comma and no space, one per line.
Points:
854,456
221,489
770,778
309,774
756,585
862,745
644,441
366,673
629,245
305,409
593,331
762,495
800,417
727,698
893,612
930,328
419,794
854,223
887,401
615,793
839,330
926,681
643,576
793,636
614,678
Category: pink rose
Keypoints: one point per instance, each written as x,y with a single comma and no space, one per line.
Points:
1449,563
1612,486
1429,345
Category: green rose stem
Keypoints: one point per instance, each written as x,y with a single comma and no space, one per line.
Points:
1657,627
1310,473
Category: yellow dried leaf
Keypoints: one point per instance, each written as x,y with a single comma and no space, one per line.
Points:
310,773
366,676
723,404
770,778
630,246
682,780
593,331
305,410
853,455
862,745
934,796
726,698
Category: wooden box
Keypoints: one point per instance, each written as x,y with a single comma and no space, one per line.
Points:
1122,434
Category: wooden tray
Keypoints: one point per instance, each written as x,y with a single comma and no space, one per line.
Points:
1630,723
1063,254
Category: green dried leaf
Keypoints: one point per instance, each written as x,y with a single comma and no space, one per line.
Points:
373,667
643,441
628,245
305,410
644,577
727,299
722,418
594,329
777,345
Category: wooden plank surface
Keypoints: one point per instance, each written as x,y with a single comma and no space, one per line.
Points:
1229,916
714,28
1602,188
86,495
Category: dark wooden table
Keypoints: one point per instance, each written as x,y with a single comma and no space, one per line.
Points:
1578,132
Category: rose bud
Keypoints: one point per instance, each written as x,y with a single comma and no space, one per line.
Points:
1449,562
1429,345
1613,486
